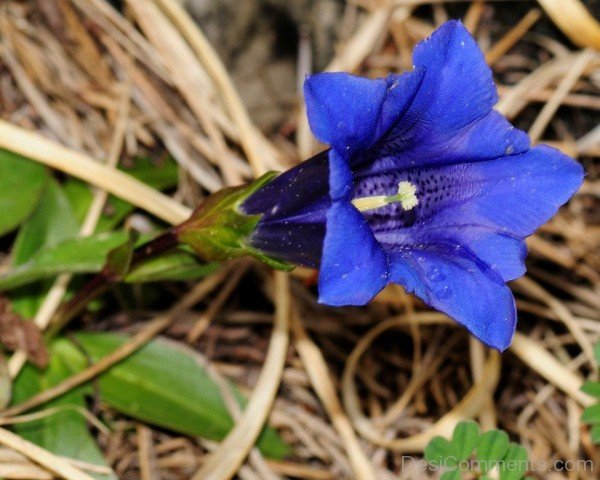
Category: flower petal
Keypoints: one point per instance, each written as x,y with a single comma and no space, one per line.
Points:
504,254
343,109
351,113
486,207
299,241
518,193
450,119
354,266
454,282
458,87
294,193
340,176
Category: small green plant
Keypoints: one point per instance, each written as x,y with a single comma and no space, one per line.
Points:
472,454
591,415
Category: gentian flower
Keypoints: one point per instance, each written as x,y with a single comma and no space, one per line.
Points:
425,185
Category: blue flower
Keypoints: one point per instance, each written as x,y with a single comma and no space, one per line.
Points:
425,185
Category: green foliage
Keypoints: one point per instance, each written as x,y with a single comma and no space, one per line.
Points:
591,414
450,453
161,176
90,254
177,265
64,432
470,452
74,255
515,466
465,438
50,215
47,243
491,448
51,222
23,183
162,384
218,231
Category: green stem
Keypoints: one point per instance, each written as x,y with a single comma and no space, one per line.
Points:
105,280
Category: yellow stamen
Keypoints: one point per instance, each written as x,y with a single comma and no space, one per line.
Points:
406,196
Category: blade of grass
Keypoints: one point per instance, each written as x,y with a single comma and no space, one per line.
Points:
36,147
318,373
575,21
52,462
227,459
256,146
150,330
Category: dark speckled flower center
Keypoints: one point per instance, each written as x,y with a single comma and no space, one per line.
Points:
436,189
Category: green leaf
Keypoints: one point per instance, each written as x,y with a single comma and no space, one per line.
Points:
492,447
514,466
164,384
177,265
160,175
464,439
440,453
591,388
118,260
90,255
66,432
595,432
22,183
451,475
76,255
443,453
51,222
80,197
591,414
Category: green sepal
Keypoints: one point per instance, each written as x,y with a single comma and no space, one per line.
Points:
217,230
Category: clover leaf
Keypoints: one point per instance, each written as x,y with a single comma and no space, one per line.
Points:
470,452
591,415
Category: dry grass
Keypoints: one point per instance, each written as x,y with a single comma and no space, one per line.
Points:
356,388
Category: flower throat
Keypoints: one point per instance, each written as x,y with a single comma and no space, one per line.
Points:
406,196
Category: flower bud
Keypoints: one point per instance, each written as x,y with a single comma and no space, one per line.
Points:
218,230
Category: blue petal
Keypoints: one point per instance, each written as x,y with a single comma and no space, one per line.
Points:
504,254
450,119
343,109
354,266
458,87
518,193
299,241
351,113
340,176
454,282
401,92
294,193
487,207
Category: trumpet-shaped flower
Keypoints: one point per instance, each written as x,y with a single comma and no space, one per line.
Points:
425,185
